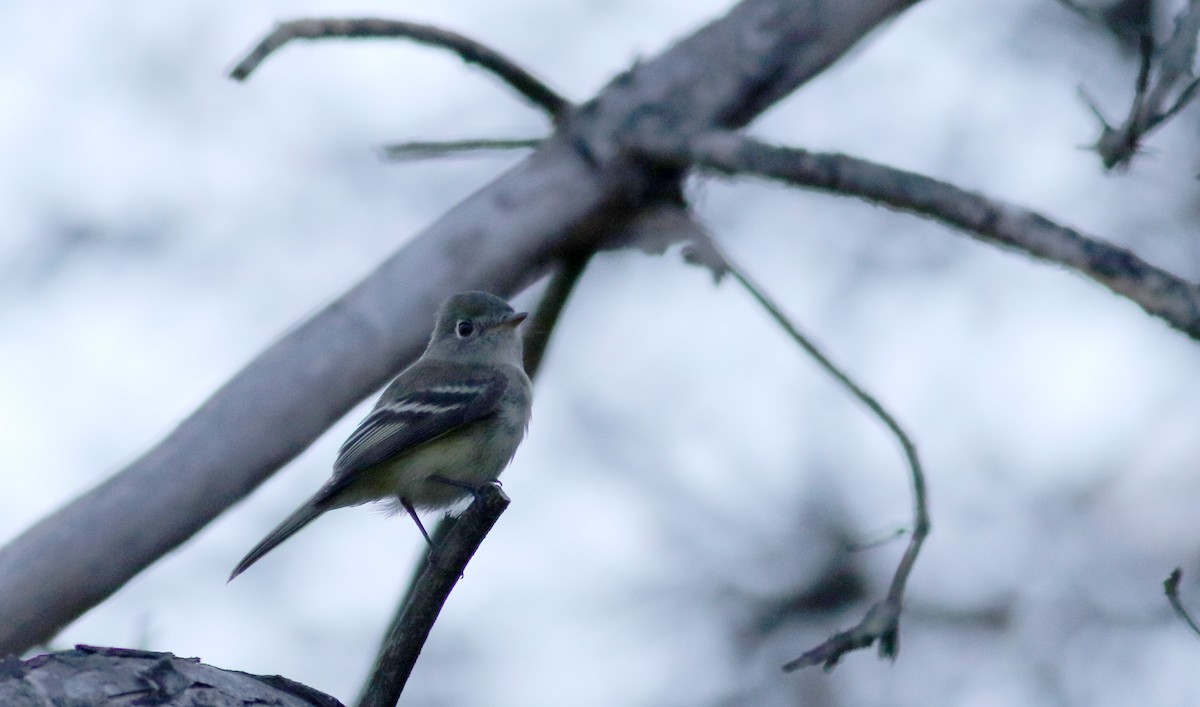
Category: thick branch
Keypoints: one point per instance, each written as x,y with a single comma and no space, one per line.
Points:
90,675
1157,291
468,49
564,198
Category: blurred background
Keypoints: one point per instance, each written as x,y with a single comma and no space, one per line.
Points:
685,502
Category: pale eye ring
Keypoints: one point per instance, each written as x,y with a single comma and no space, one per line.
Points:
464,328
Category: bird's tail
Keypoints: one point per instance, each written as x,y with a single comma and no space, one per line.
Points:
286,529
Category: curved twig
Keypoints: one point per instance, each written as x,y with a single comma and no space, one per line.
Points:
472,52
882,621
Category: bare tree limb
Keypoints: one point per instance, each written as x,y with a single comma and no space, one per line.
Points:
1171,588
882,621
416,150
1158,292
472,52
404,643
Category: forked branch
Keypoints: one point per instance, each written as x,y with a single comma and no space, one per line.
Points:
1165,84
469,50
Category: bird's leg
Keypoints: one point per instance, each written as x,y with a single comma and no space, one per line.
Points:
412,513
431,558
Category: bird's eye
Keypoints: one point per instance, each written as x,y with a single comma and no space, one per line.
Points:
464,328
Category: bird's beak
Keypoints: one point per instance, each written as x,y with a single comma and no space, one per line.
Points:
513,319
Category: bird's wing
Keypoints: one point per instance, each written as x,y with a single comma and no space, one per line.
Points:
414,410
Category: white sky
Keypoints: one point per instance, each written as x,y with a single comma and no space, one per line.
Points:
160,224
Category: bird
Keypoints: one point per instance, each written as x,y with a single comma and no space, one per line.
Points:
448,423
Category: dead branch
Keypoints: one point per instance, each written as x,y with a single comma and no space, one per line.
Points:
429,593
1158,292
882,621
470,51
417,150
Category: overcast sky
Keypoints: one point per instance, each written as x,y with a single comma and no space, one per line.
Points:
686,465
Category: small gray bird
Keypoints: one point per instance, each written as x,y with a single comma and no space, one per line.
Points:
449,423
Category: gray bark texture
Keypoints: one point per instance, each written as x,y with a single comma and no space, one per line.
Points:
116,677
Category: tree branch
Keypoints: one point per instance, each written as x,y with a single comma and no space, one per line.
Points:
418,150
429,593
1157,291
472,52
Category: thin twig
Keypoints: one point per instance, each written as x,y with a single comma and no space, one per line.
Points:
418,150
468,49
1171,587
882,621
878,541
1158,292
541,325
407,637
